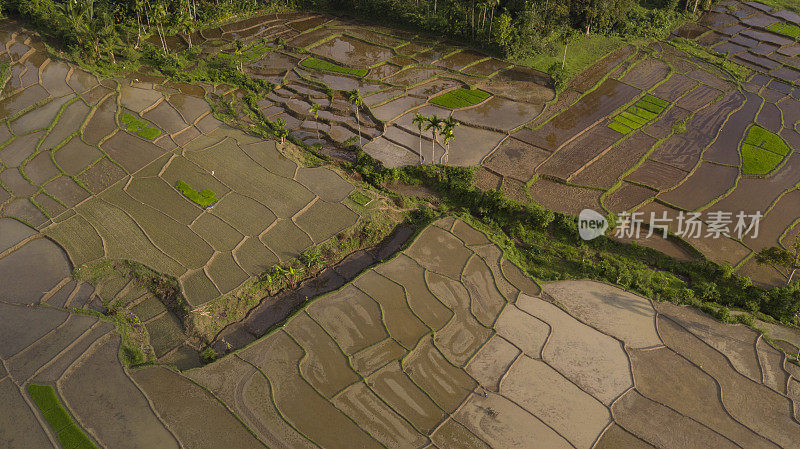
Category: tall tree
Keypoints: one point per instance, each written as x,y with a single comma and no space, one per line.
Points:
355,98
448,132
434,125
782,257
420,121
314,110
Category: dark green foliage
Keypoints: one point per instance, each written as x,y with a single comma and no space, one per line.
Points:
208,355
68,433
203,198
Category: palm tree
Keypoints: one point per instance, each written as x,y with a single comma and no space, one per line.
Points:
434,125
279,128
186,24
420,121
159,16
314,110
355,98
448,128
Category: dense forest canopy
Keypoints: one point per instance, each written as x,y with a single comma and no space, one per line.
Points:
508,27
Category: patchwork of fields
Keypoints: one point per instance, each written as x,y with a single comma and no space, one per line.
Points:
447,343
443,344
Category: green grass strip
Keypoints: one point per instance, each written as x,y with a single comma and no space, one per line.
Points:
655,100
619,127
319,64
69,434
360,198
633,118
203,198
654,108
629,123
787,29
461,98
643,113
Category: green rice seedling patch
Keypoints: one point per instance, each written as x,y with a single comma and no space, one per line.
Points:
326,66
634,118
638,115
68,433
629,123
645,114
619,127
461,98
360,198
203,198
136,125
787,29
762,151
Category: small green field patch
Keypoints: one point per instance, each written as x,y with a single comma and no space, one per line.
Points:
69,434
787,29
638,115
461,98
203,198
619,127
136,125
762,151
360,198
326,66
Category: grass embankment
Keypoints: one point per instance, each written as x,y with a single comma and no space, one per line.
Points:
326,66
787,29
582,52
762,151
461,98
203,198
639,114
546,244
135,125
791,5
69,434
738,72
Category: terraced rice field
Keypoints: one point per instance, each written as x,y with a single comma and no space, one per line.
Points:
447,343
699,148
117,169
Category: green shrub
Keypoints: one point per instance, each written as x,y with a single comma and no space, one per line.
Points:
461,98
208,355
203,198
320,64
